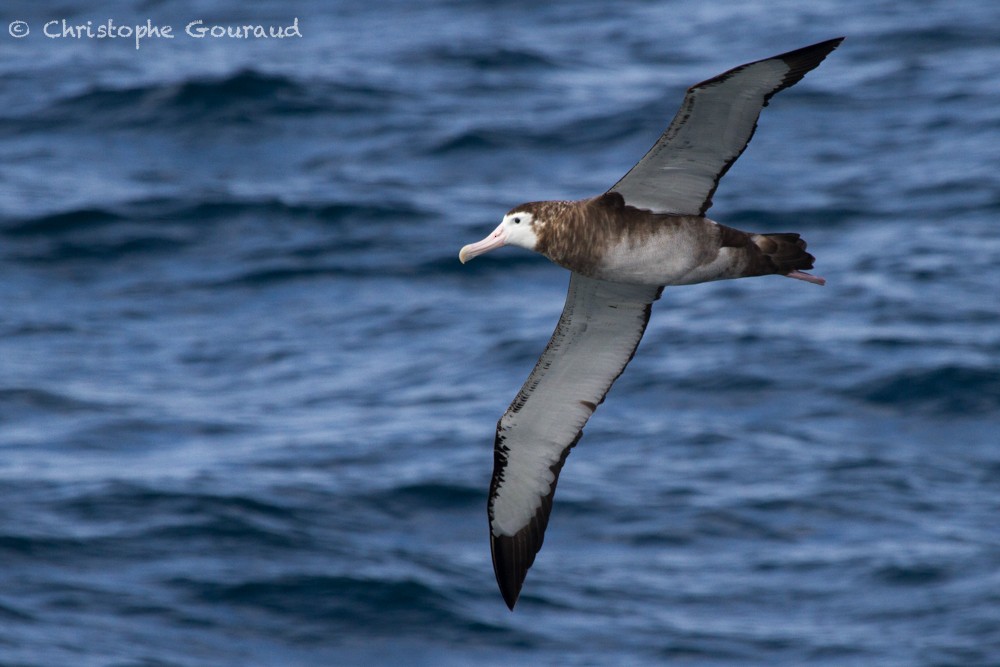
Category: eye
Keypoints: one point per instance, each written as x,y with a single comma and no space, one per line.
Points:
517,221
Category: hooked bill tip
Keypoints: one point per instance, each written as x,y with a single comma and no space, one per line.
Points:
494,240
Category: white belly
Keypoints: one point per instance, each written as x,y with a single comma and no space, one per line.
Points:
679,256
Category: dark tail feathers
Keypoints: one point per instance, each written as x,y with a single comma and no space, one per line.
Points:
786,251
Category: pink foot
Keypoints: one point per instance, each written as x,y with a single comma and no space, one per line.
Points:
808,277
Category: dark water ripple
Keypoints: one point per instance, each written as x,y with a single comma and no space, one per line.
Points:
948,390
244,97
247,392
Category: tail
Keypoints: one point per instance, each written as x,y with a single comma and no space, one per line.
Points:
787,252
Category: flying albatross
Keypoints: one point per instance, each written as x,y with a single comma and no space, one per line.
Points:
622,248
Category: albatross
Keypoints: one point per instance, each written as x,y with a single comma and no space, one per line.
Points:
647,232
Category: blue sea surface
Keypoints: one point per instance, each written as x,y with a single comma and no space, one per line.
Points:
248,393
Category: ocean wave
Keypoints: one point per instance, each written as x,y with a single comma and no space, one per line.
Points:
230,532
184,519
427,496
15,615
724,382
473,140
555,131
768,220
35,547
911,574
350,230
242,97
945,390
938,38
105,250
199,211
18,402
109,501
365,258
60,222
486,57
374,606
278,275
281,241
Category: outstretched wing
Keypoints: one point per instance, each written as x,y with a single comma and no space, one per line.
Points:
681,171
598,331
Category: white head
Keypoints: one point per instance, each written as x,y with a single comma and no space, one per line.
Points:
517,228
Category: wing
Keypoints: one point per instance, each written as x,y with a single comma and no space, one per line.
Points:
598,331
718,117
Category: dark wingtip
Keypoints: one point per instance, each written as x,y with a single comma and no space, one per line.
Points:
801,61
510,597
514,554
835,41
509,566
825,48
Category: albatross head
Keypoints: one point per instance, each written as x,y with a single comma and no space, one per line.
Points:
517,228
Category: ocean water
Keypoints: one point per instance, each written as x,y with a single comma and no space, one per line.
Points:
248,393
